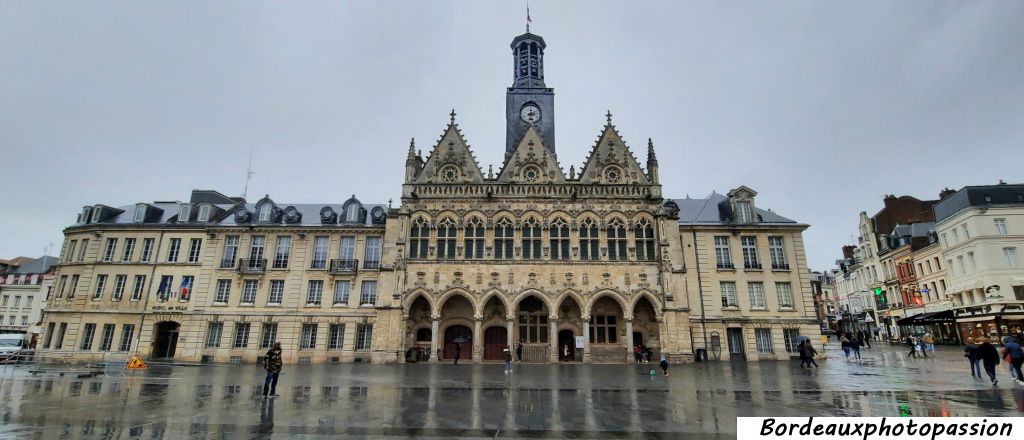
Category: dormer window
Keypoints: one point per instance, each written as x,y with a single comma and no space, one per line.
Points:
140,213
204,213
86,211
265,210
96,214
744,214
185,213
352,215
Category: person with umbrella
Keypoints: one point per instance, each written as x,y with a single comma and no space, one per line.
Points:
807,352
458,348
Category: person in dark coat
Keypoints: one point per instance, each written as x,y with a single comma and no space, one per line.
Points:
989,359
800,351
458,352
272,362
664,364
855,346
519,351
846,347
807,352
1014,351
508,361
971,353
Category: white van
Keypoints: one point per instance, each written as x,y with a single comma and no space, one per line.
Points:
11,344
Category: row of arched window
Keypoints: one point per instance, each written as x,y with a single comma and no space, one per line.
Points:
613,238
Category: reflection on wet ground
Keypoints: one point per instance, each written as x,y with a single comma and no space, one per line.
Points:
537,401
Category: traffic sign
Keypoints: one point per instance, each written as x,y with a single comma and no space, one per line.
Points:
135,363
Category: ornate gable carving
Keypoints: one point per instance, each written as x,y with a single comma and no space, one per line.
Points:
451,161
531,162
611,161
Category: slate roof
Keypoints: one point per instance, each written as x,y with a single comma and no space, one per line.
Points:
919,229
705,211
26,265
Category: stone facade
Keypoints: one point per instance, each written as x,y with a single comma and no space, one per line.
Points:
560,267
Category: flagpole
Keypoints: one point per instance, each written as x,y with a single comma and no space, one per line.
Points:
527,16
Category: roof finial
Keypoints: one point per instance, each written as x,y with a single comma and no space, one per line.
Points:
412,149
609,116
528,20
452,114
650,150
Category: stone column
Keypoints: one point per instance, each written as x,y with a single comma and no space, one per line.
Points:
434,324
478,338
510,326
553,337
629,339
586,339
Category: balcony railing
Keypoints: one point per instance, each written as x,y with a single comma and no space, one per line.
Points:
343,266
371,265
752,266
780,266
252,265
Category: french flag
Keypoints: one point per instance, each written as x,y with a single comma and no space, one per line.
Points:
186,285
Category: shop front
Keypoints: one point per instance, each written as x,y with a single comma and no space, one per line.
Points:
991,321
941,325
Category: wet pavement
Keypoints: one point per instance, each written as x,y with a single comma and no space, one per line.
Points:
478,401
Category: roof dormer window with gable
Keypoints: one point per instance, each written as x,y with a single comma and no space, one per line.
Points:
86,211
265,212
744,213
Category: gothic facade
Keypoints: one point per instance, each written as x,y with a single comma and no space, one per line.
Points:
577,266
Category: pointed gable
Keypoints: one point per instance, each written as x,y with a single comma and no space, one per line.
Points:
451,161
611,162
531,162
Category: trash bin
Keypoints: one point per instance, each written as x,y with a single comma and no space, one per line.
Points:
701,355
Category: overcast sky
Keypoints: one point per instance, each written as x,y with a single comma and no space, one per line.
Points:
822,107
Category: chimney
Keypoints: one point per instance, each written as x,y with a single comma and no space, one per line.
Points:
946,192
848,251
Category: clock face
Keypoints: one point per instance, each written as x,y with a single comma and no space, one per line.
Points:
530,114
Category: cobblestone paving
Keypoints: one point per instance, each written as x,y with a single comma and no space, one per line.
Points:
479,401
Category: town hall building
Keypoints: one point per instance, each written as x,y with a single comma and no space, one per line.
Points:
577,265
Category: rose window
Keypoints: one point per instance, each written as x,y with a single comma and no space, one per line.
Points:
613,174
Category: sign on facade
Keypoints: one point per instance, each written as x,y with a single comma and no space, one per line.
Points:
579,342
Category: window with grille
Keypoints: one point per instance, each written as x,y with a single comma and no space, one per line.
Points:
785,291
371,253
589,240
138,286
107,338
276,293
790,335
474,239
368,293
603,329
307,341
347,248
101,283
446,232
777,252
763,339
314,292
129,250
194,246
531,239
558,235
341,288
749,246
728,293
281,251
503,237
319,260
87,334
81,252
364,336
419,239
230,251
119,282
616,233
268,335
722,255
173,249
213,334
744,214
643,234
257,247
756,291
241,334
108,253
336,338
223,292
249,291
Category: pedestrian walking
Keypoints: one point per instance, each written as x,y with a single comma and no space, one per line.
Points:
855,346
846,348
807,353
867,338
1013,351
929,344
664,365
458,352
989,359
272,363
912,342
508,361
519,351
973,356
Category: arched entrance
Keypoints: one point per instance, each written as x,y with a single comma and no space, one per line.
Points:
461,336
607,328
418,331
532,319
166,341
566,346
570,325
645,327
495,341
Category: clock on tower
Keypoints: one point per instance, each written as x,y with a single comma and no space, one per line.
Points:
529,101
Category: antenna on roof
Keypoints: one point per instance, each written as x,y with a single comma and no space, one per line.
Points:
249,172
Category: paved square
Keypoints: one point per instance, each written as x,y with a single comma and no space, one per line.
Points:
479,401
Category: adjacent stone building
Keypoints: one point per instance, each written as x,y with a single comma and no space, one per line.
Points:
24,283
577,266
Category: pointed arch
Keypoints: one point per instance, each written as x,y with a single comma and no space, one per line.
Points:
606,293
531,292
650,297
569,294
615,234
411,297
502,297
453,292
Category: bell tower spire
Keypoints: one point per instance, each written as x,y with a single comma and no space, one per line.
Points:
529,101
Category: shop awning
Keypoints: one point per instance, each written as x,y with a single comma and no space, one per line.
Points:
936,318
908,320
